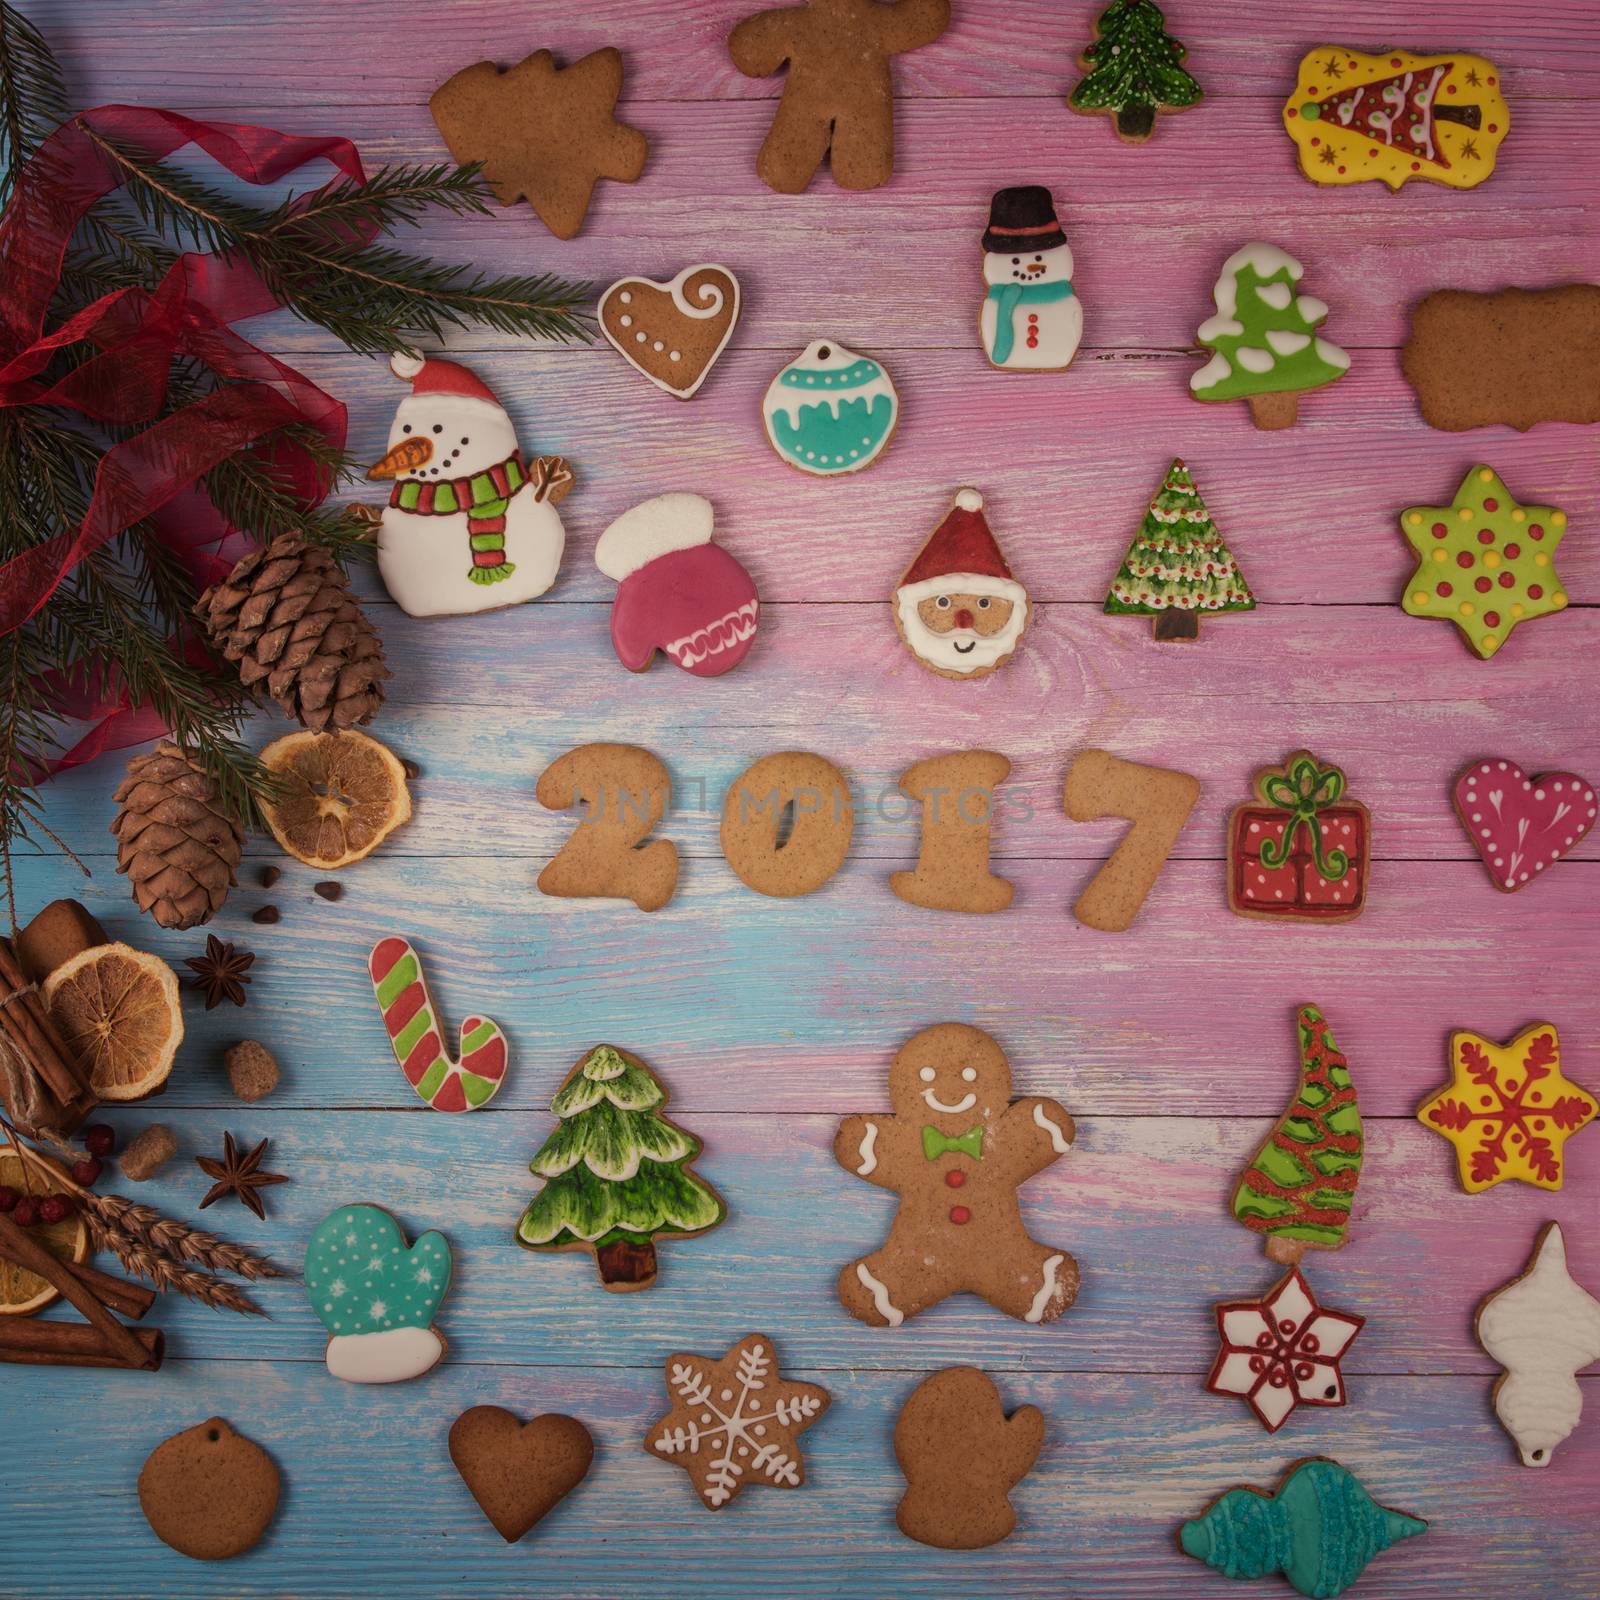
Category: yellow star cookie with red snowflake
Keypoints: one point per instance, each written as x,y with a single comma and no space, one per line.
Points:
735,1421
1484,562
1508,1109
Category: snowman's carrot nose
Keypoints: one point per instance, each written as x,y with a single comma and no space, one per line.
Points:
406,456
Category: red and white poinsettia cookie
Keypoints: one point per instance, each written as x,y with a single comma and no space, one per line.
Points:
1522,825
1282,1350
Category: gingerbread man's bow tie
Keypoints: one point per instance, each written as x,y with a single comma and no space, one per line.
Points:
935,1144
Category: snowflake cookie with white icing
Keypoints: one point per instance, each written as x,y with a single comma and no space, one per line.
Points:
735,1421
956,1149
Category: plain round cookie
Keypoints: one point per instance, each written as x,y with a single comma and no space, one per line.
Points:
209,1492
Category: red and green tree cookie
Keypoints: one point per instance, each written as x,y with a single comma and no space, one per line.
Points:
616,1172
1264,338
1297,1191
1484,562
1134,69
1177,566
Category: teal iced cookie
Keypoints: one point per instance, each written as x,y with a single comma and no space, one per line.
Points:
830,411
1319,1529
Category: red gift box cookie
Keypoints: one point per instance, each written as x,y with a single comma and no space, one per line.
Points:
1301,851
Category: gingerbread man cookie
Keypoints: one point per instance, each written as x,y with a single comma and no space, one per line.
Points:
955,1150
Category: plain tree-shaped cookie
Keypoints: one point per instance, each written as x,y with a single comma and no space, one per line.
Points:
839,95
956,1150
962,1456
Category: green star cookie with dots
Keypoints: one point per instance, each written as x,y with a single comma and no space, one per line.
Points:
1484,562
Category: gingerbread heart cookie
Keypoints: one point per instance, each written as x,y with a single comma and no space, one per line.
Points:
1521,825
672,332
518,1471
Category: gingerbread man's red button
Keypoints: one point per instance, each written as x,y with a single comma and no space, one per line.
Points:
955,1177
960,1214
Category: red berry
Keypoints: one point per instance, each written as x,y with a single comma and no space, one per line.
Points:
55,1208
26,1212
100,1139
8,1198
87,1172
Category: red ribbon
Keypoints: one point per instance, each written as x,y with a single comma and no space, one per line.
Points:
136,335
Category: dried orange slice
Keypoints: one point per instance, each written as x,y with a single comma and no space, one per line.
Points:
343,795
118,1011
23,1292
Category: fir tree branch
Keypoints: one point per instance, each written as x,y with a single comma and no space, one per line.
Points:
33,98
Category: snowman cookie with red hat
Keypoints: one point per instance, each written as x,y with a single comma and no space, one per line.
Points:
470,525
958,607
678,592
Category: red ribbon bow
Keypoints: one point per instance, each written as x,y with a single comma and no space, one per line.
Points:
136,334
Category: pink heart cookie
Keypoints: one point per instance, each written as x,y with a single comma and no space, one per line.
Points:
1521,825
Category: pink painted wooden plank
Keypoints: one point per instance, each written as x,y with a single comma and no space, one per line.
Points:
1068,463
993,47
749,1004
900,266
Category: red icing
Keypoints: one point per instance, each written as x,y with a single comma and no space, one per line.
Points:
955,1177
959,1215
1465,559
1296,889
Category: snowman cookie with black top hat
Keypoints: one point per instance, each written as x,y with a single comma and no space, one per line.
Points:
470,525
1031,320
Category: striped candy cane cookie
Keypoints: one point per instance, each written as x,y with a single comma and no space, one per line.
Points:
418,1039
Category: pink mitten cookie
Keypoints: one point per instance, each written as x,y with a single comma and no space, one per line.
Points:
1521,825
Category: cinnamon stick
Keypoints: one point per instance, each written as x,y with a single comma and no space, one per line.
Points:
122,1295
27,1252
73,1344
26,1018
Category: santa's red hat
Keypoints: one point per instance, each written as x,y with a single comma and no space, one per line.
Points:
960,556
434,375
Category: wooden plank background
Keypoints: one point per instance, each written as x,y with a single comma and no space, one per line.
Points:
1172,1045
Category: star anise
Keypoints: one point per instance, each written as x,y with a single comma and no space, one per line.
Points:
240,1175
1333,67
1468,150
222,971
1473,80
1327,158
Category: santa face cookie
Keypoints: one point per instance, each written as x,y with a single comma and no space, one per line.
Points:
957,606
678,591
955,1149
830,411
470,526
1031,320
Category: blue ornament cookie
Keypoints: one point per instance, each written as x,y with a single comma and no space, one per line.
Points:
830,411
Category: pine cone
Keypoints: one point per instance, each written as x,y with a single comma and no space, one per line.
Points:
174,841
285,615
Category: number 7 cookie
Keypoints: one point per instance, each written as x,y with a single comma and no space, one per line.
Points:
1156,800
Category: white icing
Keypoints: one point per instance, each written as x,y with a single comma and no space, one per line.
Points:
734,627
424,560
1543,1328
1047,1290
1267,259
1211,374
652,529
1286,343
1311,309
965,1103
1276,295
1254,360
786,400
1059,1142
1056,325
710,299
869,1158
969,500
1220,328
961,649
387,1357
1333,355
885,1307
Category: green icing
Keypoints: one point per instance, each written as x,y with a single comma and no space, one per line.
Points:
362,1277
1134,68
1282,1166
1252,1203
1320,1529
1485,562
404,971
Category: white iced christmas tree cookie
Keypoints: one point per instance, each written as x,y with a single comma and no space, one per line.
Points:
1543,1328
470,525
